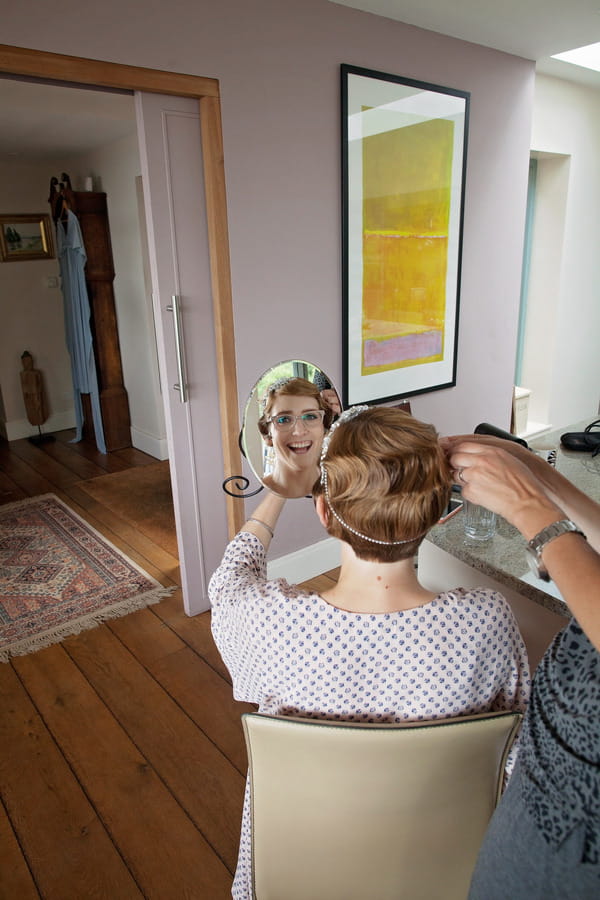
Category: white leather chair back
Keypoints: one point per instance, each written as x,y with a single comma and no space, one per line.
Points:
347,811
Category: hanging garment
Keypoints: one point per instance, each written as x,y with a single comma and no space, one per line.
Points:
72,259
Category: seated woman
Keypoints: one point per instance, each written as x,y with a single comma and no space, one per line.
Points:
295,418
377,646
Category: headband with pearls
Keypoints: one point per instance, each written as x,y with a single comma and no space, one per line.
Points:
347,416
272,389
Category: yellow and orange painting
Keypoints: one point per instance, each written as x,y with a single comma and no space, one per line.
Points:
407,175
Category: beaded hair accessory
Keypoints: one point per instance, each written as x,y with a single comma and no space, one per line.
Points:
272,389
347,416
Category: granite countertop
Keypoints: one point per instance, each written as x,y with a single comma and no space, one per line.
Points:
503,558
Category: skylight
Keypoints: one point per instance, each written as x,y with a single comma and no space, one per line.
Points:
588,57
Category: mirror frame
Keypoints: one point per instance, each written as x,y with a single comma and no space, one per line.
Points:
251,441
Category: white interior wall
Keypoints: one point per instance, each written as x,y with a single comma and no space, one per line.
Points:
542,341
31,311
566,122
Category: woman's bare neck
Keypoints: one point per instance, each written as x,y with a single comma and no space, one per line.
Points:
371,587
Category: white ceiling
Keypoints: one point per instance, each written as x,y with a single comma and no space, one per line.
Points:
534,29
530,28
43,121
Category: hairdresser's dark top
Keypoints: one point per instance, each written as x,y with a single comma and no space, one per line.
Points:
560,742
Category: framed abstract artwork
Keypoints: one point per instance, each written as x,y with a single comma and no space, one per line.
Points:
404,148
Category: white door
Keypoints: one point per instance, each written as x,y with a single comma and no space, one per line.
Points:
171,153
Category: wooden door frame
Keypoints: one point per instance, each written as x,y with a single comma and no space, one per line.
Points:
81,71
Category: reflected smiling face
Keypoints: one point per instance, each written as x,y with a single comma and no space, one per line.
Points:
300,447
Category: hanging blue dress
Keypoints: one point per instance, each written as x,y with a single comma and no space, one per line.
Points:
72,259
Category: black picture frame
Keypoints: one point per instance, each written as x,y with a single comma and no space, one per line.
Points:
404,154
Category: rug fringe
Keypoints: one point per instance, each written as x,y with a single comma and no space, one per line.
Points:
60,632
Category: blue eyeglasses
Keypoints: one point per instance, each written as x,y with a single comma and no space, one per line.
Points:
285,422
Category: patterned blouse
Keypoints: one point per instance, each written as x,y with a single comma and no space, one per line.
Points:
292,653
560,742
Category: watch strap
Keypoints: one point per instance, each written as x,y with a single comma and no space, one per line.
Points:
543,537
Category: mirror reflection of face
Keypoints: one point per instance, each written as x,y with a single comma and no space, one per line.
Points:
287,462
298,447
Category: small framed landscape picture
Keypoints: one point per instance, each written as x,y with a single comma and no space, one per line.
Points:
25,237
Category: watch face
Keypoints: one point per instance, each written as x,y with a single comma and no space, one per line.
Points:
536,565
535,545
532,560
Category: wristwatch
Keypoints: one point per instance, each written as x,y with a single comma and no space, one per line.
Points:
536,545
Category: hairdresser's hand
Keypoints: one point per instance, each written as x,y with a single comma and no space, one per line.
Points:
547,475
497,476
518,450
561,492
331,399
493,475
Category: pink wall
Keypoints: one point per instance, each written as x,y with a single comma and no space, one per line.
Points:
278,65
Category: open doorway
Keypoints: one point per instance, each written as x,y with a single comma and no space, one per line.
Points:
210,161
49,129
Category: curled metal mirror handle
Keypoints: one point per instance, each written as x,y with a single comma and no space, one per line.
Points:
241,483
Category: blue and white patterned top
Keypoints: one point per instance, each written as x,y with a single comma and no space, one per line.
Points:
292,653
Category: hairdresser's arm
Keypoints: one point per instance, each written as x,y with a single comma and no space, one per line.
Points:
574,503
500,479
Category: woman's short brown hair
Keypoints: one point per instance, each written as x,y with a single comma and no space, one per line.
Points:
294,387
388,478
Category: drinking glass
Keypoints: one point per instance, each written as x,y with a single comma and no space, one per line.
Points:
479,522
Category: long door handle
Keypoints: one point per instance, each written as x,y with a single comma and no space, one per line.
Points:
181,386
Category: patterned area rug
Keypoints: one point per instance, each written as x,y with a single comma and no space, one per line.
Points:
59,576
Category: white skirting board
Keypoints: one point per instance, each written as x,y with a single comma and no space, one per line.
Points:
306,563
149,443
22,428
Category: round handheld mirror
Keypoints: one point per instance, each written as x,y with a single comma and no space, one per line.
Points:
290,409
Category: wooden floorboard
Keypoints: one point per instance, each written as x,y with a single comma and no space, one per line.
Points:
108,462
194,630
123,761
67,455
16,881
28,479
163,849
10,491
58,474
130,540
191,766
57,827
